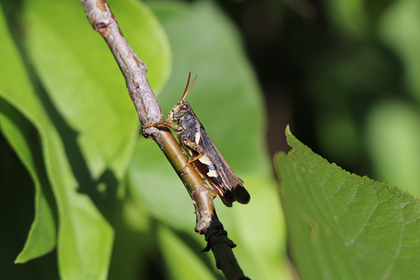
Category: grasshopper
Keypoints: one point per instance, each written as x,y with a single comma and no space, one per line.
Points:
202,152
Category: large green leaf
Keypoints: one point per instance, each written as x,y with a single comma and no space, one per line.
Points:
81,77
342,226
16,129
227,100
86,121
85,237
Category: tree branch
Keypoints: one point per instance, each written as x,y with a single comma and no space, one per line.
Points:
149,112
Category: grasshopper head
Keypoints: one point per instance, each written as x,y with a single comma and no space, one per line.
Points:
182,107
179,110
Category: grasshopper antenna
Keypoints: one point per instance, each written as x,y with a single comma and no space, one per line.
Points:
187,89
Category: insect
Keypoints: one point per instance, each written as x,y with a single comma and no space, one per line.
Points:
202,152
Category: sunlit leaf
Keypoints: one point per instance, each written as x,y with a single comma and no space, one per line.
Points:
83,80
84,237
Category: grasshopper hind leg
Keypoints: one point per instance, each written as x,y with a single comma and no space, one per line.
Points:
191,160
191,146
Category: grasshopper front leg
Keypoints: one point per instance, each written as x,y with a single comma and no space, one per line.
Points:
165,124
176,127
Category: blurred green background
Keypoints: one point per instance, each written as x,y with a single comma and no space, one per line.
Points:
344,74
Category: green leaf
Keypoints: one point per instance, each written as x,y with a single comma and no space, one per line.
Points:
342,226
42,236
85,84
84,237
227,100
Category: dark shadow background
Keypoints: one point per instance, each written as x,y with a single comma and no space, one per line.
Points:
298,54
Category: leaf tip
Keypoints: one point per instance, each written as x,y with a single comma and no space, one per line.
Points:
288,130
18,260
290,138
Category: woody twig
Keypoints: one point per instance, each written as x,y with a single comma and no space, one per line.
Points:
134,70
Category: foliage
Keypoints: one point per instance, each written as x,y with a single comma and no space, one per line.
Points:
342,226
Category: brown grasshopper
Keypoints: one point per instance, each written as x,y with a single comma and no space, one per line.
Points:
202,152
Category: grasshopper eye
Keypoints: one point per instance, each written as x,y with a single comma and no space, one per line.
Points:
184,107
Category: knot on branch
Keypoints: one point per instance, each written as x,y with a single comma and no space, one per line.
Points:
100,26
99,14
216,234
